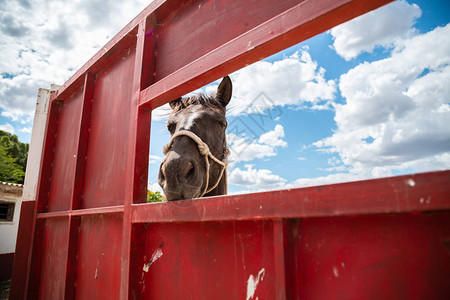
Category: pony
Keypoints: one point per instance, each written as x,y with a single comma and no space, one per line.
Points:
195,159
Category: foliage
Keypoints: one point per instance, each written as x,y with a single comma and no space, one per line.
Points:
155,197
13,158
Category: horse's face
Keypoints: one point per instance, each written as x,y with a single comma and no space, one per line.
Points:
182,173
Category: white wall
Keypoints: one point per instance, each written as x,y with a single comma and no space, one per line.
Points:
8,230
37,140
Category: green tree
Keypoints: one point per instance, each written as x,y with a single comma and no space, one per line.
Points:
13,158
9,170
155,197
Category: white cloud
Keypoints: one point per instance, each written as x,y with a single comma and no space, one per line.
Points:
437,162
161,113
274,138
154,187
18,96
153,159
26,129
245,149
255,179
329,179
294,80
7,127
397,111
382,27
47,41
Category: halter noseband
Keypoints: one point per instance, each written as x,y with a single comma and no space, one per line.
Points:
204,150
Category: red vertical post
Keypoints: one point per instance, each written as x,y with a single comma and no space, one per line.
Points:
133,170
71,267
84,123
34,261
47,159
31,280
77,191
23,246
278,244
142,152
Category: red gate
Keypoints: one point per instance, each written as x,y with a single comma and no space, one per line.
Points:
90,234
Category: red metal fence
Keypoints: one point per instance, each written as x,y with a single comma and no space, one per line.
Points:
90,234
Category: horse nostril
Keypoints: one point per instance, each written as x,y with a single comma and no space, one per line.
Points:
190,172
161,176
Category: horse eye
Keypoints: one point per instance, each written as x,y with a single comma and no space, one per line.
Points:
171,127
222,123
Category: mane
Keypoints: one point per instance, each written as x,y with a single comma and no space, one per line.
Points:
198,99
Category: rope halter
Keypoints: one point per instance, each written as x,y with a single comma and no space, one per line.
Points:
204,150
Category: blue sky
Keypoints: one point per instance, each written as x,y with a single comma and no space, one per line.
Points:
366,99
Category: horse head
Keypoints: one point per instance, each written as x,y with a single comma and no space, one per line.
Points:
196,156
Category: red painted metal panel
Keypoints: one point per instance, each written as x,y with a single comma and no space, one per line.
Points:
208,260
24,237
6,265
65,153
369,257
108,53
99,253
52,273
199,27
107,151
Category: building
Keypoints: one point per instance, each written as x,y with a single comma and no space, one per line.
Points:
10,203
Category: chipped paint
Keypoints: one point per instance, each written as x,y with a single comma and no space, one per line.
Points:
426,201
335,271
252,283
249,46
155,256
411,182
96,270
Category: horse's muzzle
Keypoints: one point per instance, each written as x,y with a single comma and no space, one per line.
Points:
179,177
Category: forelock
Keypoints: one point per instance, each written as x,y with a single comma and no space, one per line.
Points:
199,99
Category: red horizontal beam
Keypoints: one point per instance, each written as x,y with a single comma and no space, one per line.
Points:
410,193
82,212
304,20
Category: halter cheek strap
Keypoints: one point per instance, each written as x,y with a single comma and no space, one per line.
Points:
204,150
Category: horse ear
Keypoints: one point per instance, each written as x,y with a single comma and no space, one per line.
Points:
175,103
224,91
